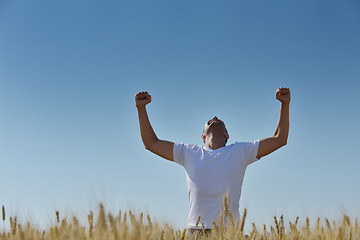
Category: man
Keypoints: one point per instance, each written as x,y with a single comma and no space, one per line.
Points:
213,171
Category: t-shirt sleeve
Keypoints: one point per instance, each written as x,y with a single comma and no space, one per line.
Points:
250,150
179,153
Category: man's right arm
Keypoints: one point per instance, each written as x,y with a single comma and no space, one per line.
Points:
151,142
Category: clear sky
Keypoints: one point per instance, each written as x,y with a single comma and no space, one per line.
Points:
69,71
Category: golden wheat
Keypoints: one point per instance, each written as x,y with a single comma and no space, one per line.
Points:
130,226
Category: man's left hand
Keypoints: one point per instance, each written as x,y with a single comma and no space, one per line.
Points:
283,95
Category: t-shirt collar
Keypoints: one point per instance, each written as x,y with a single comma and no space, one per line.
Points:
210,149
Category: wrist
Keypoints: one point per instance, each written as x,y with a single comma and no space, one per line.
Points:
140,107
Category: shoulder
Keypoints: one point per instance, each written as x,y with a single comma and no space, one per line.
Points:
242,144
245,145
182,152
235,145
187,146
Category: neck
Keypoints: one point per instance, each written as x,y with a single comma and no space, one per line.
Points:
214,143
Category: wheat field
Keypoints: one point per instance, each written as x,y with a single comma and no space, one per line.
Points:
127,225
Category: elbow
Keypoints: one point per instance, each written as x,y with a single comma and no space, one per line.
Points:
283,143
148,147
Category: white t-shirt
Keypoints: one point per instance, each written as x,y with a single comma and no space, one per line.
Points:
211,175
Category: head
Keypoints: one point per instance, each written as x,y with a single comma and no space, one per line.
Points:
215,133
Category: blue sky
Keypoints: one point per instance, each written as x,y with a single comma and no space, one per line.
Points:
69,71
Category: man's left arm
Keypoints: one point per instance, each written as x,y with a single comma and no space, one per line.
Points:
279,139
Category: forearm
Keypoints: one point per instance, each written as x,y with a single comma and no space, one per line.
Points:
282,129
148,135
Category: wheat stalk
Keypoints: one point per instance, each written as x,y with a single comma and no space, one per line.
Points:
3,212
57,216
242,224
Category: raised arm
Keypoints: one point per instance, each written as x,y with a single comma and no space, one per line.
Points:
270,144
151,142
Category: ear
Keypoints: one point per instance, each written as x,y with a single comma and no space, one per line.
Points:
227,136
203,136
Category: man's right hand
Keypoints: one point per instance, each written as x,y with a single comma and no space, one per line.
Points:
142,99
151,142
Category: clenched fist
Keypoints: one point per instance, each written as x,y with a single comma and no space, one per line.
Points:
283,95
142,99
